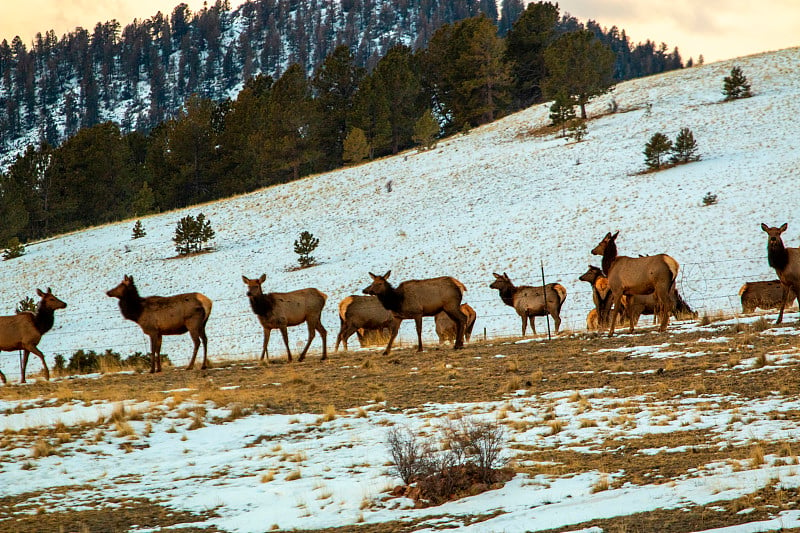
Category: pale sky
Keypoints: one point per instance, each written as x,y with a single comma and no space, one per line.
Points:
718,29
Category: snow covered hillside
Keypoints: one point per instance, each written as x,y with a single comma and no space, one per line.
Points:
498,199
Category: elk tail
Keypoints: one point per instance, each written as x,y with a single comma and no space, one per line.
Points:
744,288
460,285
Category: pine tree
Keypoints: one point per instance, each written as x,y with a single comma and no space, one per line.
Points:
27,304
13,249
191,233
138,230
685,148
356,148
144,202
735,86
656,150
303,247
576,129
426,130
562,111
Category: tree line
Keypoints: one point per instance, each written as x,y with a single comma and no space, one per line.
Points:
278,129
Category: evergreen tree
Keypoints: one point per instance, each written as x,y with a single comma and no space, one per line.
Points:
138,230
576,129
144,202
191,234
526,42
27,305
685,148
579,65
356,148
14,249
303,247
736,86
562,111
655,151
426,130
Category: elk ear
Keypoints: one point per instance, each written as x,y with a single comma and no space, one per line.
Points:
262,278
505,276
615,235
783,228
388,273
49,290
245,279
764,227
39,293
496,275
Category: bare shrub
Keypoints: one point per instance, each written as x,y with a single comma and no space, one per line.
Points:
407,454
479,443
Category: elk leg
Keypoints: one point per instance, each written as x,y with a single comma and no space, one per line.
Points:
524,325
783,303
285,335
418,324
344,334
615,312
156,357
35,350
196,342
205,348
395,328
266,342
662,307
311,334
532,318
25,355
3,377
557,319
324,334
458,316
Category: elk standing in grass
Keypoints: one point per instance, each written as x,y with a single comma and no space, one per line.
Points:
165,315
763,295
628,276
446,328
362,314
601,296
414,299
785,261
23,331
530,302
279,310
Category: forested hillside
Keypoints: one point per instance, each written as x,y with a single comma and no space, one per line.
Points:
187,107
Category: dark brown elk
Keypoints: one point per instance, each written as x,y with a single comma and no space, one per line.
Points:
416,298
763,295
279,310
628,276
785,261
165,315
645,304
446,328
530,302
23,331
362,314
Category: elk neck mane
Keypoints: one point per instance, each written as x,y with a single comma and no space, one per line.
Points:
131,304
609,255
391,299
777,255
262,304
43,319
507,294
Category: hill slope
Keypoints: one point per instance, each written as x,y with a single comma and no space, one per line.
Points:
496,200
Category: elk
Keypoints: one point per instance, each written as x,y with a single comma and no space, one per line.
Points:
446,328
785,261
601,295
645,304
360,314
165,315
530,302
23,331
763,295
628,276
414,299
279,310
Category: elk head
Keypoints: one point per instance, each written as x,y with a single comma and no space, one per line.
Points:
501,282
254,285
120,290
774,233
600,249
592,274
379,284
49,301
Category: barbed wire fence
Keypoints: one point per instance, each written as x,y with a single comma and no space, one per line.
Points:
234,328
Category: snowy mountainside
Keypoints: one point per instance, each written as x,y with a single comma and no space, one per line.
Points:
499,199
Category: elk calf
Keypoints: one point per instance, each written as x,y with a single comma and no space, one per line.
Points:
165,315
763,295
530,302
362,314
279,310
446,328
414,299
23,331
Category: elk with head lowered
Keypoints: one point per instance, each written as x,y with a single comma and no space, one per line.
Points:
416,298
629,276
279,310
165,315
24,330
785,261
363,315
530,302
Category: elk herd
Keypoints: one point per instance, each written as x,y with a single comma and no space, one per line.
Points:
623,287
